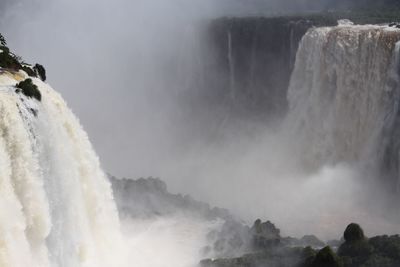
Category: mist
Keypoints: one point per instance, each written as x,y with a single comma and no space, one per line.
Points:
126,67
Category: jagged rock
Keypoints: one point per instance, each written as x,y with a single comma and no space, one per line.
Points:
151,198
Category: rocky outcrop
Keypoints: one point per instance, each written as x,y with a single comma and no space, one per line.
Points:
149,197
264,235
356,251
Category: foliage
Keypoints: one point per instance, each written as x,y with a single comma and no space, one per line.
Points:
7,59
29,89
356,248
353,233
29,71
2,40
326,258
13,62
356,251
40,70
4,49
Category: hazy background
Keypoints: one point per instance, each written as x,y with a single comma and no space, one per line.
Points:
121,65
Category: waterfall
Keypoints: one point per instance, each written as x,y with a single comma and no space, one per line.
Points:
342,92
56,204
231,68
391,145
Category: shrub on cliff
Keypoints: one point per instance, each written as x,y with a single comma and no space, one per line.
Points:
13,62
353,233
29,71
7,60
40,70
29,89
3,40
308,256
386,251
326,258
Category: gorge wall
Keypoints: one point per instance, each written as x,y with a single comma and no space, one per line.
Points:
253,58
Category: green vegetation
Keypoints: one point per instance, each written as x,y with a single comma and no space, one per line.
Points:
40,70
12,62
326,258
353,233
29,89
29,70
9,60
2,40
356,251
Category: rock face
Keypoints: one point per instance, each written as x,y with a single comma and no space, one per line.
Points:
150,197
254,58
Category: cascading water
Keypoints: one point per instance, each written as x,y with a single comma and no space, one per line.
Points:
57,207
343,93
231,68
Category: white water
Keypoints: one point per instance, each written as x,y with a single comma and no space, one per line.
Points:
56,205
172,241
